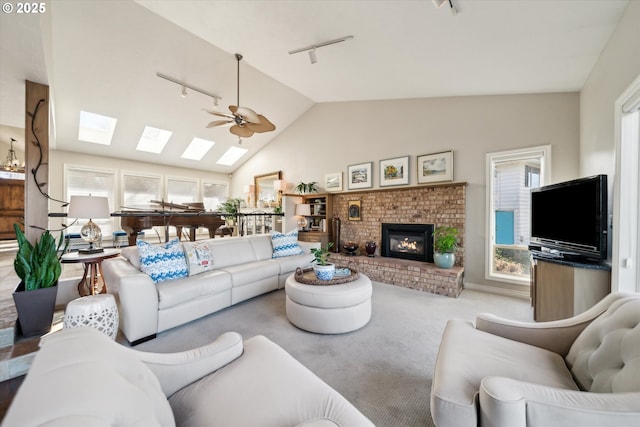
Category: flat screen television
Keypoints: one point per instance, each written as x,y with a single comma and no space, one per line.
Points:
569,219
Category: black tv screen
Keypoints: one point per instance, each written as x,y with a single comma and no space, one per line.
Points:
570,218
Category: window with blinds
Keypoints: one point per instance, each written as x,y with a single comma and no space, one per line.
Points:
180,190
214,193
139,190
95,182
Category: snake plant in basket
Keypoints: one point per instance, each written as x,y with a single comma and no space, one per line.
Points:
38,267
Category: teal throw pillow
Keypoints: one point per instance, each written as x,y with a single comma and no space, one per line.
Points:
162,262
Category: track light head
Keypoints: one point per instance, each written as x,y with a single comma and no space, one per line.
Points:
312,56
184,92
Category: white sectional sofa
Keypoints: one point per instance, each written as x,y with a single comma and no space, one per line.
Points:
242,268
81,378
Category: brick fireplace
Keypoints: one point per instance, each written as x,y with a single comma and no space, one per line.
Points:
439,204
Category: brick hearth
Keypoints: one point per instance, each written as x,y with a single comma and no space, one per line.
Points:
418,275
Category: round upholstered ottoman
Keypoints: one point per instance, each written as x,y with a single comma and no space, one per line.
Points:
331,309
98,311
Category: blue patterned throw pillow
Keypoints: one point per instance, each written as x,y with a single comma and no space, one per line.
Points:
285,244
162,262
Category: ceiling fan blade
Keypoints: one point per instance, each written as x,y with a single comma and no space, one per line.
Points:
241,131
247,113
264,126
219,123
217,113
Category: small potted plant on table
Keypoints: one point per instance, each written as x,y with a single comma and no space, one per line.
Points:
445,245
38,267
324,270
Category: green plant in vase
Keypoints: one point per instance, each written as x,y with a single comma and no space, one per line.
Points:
306,188
323,268
445,245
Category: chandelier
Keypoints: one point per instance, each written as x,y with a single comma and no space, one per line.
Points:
12,163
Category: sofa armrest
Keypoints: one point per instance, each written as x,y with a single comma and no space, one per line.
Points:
177,370
556,336
505,402
137,298
307,246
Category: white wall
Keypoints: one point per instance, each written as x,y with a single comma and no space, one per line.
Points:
331,136
617,67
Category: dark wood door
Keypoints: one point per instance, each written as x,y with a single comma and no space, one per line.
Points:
11,206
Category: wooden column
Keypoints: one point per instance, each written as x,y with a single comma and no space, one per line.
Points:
36,142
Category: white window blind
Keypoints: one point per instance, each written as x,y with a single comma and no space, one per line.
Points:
84,182
182,190
213,194
139,190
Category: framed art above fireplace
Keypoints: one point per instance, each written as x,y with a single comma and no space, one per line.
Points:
437,167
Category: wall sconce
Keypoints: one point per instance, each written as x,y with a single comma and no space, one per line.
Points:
89,207
303,210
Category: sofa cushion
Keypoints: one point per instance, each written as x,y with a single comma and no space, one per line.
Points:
231,251
262,246
457,376
175,292
285,244
265,386
290,263
162,262
78,378
605,358
243,274
198,256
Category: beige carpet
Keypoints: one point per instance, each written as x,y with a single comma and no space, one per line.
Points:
384,369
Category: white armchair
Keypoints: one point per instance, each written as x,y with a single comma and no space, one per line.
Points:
581,371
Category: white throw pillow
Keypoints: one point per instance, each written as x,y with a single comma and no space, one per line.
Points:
198,256
285,244
162,262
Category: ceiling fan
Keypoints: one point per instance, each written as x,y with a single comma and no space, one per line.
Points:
245,122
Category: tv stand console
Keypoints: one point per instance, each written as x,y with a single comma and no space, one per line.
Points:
561,288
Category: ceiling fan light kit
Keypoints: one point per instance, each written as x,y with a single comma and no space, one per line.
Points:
312,49
244,121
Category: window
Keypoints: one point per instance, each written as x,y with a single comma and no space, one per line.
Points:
510,177
181,190
83,182
214,193
139,190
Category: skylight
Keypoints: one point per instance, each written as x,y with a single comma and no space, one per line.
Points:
96,128
197,149
153,140
231,156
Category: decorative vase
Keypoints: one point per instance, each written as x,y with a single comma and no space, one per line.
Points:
370,247
350,247
324,272
35,309
444,260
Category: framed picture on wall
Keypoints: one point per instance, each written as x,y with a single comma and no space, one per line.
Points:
354,210
333,181
394,171
435,167
359,175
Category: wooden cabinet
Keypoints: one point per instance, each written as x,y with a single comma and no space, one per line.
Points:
319,227
11,206
561,289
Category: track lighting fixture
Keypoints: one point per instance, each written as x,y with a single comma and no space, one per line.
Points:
312,48
439,3
183,92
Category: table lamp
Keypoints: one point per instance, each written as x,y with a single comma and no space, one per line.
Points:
302,210
89,207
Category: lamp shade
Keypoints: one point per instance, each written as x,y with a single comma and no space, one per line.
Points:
303,209
88,207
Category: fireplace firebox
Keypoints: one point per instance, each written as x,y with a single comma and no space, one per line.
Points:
407,241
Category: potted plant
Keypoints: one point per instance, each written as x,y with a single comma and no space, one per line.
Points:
306,188
38,267
230,206
324,270
445,245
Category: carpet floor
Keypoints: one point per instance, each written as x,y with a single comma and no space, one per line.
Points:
384,369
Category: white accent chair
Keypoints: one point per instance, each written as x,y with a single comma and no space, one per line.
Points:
582,371
81,378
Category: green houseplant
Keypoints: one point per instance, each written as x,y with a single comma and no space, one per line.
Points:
323,268
306,188
445,245
231,206
38,267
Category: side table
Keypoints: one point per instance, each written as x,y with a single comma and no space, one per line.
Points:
96,311
88,285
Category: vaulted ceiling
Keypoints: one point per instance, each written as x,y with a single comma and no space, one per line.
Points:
102,56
